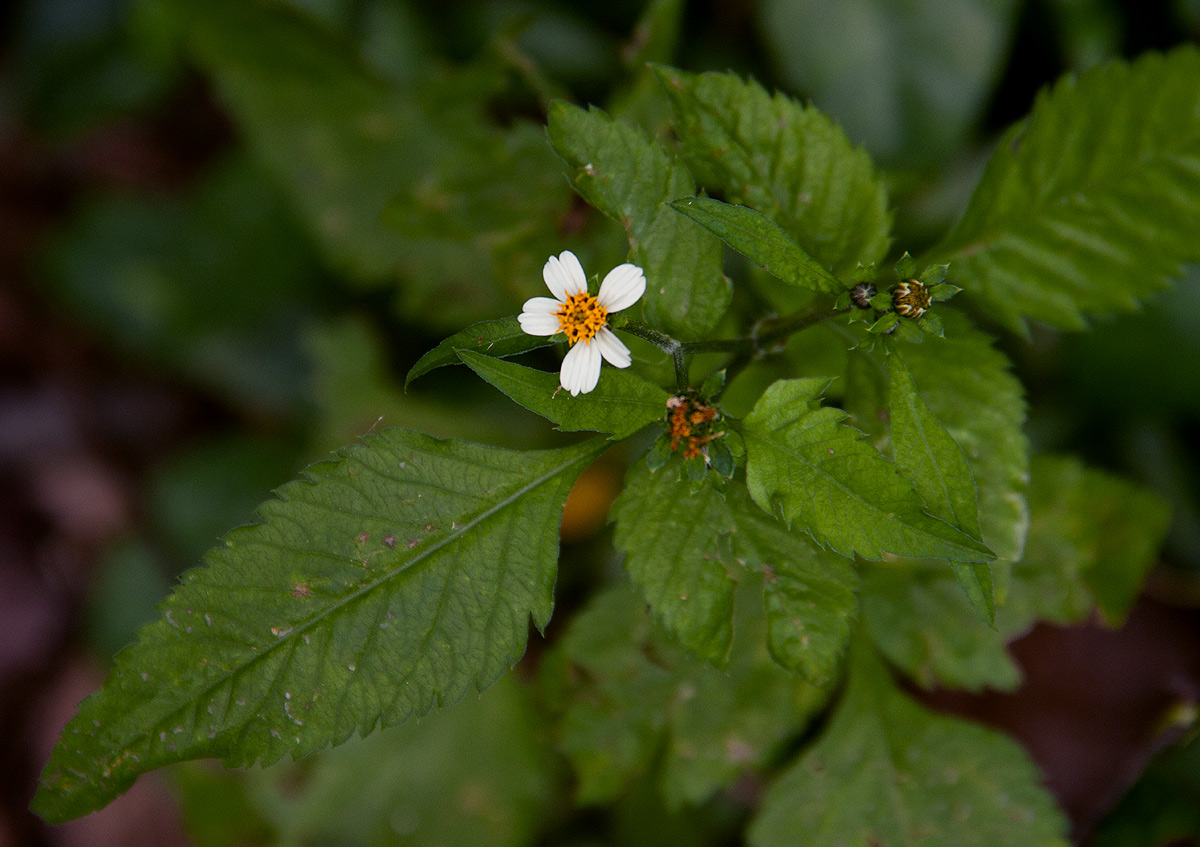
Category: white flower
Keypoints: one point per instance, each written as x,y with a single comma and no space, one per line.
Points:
583,318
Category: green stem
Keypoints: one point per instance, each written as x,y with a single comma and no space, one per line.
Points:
783,327
672,347
748,348
681,370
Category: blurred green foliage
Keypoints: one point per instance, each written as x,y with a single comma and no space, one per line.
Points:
389,180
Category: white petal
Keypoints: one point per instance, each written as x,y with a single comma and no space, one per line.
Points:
612,348
580,369
537,316
538,323
564,275
623,286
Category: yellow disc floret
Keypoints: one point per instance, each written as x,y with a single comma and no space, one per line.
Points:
581,317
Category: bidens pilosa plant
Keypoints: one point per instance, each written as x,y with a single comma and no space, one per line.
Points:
826,484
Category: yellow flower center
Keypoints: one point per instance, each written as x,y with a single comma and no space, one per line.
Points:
581,317
911,298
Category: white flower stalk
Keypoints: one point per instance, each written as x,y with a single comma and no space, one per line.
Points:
582,318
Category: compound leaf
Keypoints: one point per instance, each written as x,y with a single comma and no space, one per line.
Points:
1089,534
386,582
1088,206
968,385
810,597
803,462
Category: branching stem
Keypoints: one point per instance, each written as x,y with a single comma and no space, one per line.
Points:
760,342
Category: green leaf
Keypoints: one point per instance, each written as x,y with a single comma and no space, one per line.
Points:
620,405
919,617
670,540
480,773
929,456
810,597
760,240
803,462
915,613
968,385
343,141
632,703
631,179
317,119
908,81
211,286
498,338
1087,207
677,552
388,581
787,161
921,621
1103,527
1160,808
890,773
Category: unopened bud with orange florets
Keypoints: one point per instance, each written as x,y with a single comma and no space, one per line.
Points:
690,424
694,432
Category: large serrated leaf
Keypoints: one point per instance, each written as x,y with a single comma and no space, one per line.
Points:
1089,205
890,773
803,462
788,161
620,404
386,582
632,178
760,240
930,457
